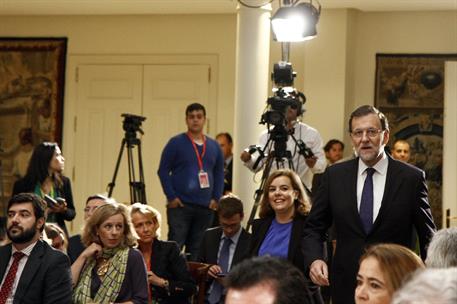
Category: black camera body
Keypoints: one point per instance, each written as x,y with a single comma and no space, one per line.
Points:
132,124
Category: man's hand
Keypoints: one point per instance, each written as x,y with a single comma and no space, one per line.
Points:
318,272
176,203
214,270
245,156
311,161
213,205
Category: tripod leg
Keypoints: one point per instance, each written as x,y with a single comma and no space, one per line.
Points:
258,192
133,194
141,185
111,185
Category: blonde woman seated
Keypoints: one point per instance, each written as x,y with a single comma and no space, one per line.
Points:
109,270
169,279
383,268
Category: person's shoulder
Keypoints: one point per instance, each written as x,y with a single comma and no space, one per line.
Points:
50,254
406,168
135,254
343,165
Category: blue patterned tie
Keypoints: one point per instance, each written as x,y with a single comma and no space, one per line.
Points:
366,202
224,255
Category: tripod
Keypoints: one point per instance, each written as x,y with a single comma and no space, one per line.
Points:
131,125
272,156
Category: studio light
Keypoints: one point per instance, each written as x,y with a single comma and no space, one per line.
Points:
295,21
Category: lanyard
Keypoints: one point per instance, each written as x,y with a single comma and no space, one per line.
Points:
199,157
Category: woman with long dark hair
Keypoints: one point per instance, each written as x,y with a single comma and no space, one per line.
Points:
44,177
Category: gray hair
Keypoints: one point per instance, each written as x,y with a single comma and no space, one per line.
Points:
434,285
442,251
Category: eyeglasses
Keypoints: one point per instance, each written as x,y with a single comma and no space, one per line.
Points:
371,133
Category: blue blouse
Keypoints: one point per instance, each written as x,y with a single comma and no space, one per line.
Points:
276,242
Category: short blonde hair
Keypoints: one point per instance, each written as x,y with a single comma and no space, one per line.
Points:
100,215
148,211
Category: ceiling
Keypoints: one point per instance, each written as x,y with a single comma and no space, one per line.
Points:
133,7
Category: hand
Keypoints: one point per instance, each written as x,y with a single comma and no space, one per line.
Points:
311,161
176,203
154,279
245,156
93,250
214,270
318,272
213,205
59,208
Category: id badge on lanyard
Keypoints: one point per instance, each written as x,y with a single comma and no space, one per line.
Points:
203,177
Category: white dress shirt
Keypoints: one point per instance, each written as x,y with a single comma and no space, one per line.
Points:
26,251
379,183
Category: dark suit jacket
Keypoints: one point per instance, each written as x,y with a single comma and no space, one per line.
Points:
168,263
404,206
75,247
210,246
46,277
22,185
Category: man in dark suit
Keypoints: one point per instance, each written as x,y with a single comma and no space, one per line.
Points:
370,199
226,143
224,246
30,270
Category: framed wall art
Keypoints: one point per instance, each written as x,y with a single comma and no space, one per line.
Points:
410,91
32,77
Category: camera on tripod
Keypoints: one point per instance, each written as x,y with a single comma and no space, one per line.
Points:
132,124
284,95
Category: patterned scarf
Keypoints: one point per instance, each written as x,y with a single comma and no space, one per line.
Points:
110,283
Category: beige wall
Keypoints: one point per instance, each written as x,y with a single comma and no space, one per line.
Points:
335,71
114,35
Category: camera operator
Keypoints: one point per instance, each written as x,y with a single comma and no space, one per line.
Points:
305,167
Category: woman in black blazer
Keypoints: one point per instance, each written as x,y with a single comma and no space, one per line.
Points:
168,276
44,177
279,230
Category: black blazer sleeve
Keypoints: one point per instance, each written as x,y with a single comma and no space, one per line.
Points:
168,263
67,194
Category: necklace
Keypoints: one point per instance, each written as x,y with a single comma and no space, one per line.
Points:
103,265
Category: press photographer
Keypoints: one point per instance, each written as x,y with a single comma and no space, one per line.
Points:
289,142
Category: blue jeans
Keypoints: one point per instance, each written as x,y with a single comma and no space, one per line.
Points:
187,225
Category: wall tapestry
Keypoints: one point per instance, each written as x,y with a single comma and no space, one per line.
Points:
32,76
410,91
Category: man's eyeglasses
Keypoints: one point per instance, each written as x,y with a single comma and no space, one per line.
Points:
371,133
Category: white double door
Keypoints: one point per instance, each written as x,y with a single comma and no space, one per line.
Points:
103,92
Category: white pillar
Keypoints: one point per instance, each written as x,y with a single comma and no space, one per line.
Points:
252,77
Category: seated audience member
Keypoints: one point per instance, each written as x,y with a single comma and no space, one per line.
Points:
109,270
382,270
56,237
224,246
283,210
45,177
401,150
168,276
75,245
442,250
266,280
30,270
430,286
